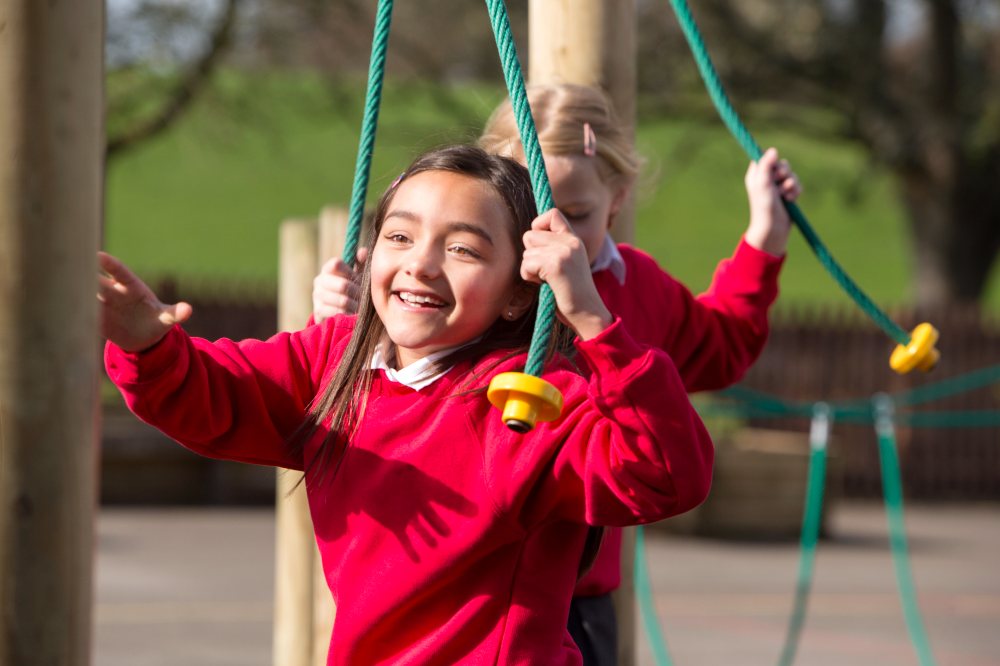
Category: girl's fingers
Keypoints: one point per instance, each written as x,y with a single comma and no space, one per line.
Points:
549,228
782,171
176,313
329,266
110,287
551,220
768,160
558,223
361,256
328,286
790,187
115,268
530,267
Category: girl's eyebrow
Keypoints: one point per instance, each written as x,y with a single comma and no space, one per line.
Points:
472,229
467,227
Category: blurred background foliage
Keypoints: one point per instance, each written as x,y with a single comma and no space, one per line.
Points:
227,116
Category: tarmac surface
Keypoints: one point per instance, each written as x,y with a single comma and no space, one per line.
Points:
194,587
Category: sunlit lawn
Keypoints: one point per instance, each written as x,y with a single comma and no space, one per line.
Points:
203,203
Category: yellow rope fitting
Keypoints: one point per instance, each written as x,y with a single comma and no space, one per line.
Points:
524,400
920,353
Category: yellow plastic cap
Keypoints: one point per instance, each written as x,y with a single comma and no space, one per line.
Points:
524,399
919,354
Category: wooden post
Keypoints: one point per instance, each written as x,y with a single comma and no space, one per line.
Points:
51,193
332,234
304,610
295,548
592,42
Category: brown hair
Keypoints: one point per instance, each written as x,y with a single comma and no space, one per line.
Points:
343,399
560,113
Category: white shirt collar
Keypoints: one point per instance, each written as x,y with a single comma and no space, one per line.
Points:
610,259
415,375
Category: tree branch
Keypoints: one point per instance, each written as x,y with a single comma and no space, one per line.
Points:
186,91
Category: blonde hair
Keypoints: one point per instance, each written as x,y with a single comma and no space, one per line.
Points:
561,112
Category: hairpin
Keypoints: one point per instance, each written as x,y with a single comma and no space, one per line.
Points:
397,181
589,140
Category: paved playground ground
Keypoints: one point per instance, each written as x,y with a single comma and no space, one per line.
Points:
194,586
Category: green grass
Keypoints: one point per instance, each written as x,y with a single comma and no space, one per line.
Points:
203,203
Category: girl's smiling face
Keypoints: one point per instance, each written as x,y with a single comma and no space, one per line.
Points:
444,266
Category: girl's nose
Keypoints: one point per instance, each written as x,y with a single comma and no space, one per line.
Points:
423,262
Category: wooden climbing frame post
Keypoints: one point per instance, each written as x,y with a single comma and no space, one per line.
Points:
592,42
303,608
51,197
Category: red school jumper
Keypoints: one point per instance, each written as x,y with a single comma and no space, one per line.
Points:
445,537
712,339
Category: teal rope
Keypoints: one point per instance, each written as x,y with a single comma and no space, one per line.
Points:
753,403
937,419
744,138
647,608
369,125
952,386
811,518
545,319
892,488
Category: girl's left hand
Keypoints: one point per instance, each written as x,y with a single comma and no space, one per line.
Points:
555,255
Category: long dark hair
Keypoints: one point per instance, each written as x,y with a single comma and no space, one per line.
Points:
343,399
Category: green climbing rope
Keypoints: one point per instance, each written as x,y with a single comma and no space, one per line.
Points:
953,386
507,49
644,590
545,319
752,403
892,489
819,436
880,412
743,136
369,125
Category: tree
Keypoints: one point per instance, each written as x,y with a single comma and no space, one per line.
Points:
917,82
139,123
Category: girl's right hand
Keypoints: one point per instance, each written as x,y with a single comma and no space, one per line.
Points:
132,317
555,255
336,288
768,181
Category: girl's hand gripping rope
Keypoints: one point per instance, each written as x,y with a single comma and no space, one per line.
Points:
555,255
768,181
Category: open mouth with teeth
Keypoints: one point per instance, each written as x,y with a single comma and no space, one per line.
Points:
419,300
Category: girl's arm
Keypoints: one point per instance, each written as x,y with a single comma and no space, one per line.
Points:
237,401
717,336
633,446
628,448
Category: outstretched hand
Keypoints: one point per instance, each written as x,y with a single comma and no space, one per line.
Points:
132,317
555,255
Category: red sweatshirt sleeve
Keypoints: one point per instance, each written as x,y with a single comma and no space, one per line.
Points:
712,338
230,400
629,448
